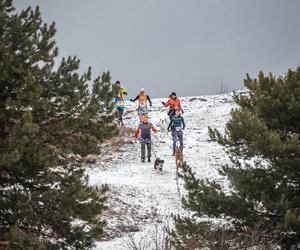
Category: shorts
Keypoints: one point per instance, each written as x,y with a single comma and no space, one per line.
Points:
142,110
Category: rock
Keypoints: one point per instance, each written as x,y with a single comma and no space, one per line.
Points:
197,99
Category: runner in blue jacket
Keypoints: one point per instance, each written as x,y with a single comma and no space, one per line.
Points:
176,126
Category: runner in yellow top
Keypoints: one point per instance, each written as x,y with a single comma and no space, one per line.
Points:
120,92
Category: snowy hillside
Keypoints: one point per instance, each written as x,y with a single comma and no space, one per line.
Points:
142,200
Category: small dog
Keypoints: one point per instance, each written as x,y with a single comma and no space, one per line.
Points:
163,127
178,158
158,164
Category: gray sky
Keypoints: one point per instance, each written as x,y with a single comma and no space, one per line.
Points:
187,46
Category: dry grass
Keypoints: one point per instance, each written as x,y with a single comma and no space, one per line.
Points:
218,237
157,239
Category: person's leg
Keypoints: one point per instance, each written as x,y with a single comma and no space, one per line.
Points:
173,112
149,151
162,134
170,113
174,137
143,151
180,137
118,120
139,114
120,117
145,112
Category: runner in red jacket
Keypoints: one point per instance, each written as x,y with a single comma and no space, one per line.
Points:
174,104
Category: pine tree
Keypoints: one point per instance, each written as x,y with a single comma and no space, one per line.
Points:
262,140
47,113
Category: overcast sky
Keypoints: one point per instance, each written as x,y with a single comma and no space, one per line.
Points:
188,46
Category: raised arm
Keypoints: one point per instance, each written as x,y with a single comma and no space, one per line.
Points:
167,103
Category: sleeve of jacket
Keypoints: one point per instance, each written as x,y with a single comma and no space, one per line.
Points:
124,91
137,97
183,123
168,103
180,106
149,100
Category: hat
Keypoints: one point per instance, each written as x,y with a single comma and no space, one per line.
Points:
117,82
142,90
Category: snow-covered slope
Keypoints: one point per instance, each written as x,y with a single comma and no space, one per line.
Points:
141,199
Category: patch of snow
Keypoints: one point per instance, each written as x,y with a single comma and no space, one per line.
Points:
140,198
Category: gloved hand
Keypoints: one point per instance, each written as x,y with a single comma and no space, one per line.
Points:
131,100
151,105
163,103
182,111
183,127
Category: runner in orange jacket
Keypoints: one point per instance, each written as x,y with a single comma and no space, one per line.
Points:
142,98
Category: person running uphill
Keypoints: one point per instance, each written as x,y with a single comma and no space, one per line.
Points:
119,101
174,104
176,125
144,133
142,100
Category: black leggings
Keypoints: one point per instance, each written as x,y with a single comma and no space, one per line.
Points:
171,113
120,116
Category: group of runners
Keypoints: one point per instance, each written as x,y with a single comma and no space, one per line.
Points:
143,131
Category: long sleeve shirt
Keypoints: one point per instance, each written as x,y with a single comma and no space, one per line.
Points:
143,99
176,121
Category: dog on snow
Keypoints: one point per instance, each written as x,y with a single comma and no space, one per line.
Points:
163,127
178,158
158,164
